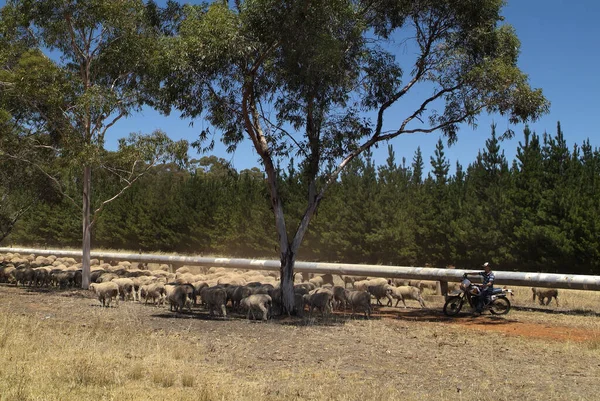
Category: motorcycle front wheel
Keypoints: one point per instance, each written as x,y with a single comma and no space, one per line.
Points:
500,306
453,306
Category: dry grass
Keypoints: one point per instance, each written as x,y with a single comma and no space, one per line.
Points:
54,347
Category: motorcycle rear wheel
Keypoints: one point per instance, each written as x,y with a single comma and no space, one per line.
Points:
500,306
453,306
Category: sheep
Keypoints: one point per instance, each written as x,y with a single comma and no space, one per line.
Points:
42,276
240,293
126,288
351,279
24,275
106,292
156,291
359,299
95,275
364,284
339,297
320,299
6,273
179,298
405,292
426,284
183,269
306,287
361,285
398,282
261,302
381,291
106,277
215,298
542,293
262,289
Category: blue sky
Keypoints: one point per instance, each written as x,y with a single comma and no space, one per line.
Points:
560,51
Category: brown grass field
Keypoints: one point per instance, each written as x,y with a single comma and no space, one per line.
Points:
61,345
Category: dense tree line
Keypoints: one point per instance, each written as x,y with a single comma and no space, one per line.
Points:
539,212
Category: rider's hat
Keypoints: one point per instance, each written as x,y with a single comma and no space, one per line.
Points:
486,264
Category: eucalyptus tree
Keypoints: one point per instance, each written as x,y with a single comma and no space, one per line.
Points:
23,185
321,81
102,53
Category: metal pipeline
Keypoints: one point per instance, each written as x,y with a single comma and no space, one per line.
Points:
549,280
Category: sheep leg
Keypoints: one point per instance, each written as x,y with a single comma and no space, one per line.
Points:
421,301
556,299
264,311
224,310
389,297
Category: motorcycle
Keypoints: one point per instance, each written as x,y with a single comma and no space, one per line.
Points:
497,303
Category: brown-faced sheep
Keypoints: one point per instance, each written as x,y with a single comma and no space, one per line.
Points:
106,292
255,302
543,293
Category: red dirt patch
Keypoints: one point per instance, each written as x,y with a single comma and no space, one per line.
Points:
498,324
533,330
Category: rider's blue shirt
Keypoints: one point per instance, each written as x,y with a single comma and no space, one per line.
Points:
488,277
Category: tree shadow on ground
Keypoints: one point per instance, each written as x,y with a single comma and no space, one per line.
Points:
583,312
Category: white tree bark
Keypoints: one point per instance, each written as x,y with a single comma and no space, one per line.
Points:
87,226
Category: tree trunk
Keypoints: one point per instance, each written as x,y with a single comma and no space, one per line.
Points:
87,226
288,259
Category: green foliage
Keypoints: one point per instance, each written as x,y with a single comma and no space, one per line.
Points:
541,214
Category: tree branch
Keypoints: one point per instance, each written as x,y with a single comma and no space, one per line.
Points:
129,182
53,179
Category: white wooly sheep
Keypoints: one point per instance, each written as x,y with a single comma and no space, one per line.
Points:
159,273
360,300
405,292
186,278
363,285
426,284
317,281
106,292
217,270
254,302
154,291
183,269
232,280
126,288
106,277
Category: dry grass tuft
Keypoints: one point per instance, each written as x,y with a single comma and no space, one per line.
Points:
163,379
187,380
136,372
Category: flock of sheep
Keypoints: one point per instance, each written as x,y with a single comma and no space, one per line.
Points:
253,293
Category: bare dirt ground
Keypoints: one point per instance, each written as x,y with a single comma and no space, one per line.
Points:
409,353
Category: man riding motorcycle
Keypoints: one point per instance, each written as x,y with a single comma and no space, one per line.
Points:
485,289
